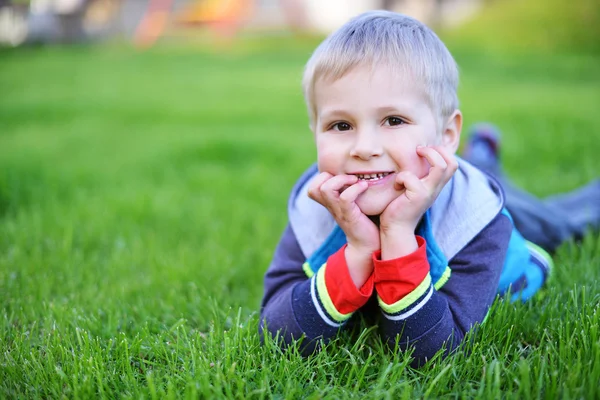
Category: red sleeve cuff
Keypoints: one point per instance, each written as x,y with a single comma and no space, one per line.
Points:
341,288
396,278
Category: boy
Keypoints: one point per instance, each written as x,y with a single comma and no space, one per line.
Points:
390,223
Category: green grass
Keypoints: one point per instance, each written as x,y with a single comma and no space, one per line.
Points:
541,25
142,195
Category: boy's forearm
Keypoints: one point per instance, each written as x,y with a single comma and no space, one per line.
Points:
316,308
296,306
282,280
440,316
293,316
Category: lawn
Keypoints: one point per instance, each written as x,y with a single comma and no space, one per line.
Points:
142,195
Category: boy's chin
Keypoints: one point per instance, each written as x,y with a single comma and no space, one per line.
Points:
372,205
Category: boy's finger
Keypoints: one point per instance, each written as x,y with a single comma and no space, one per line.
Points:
409,181
432,155
333,186
314,191
449,157
438,169
351,194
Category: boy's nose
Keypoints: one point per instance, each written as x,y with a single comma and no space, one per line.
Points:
366,146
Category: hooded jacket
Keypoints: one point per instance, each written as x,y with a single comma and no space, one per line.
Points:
468,252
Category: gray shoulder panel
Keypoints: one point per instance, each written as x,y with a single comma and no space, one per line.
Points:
310,221
466,205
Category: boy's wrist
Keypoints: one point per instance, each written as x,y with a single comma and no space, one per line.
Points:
365,250
398,243
360,264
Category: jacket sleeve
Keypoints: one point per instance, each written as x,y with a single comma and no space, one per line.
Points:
296,306
433,316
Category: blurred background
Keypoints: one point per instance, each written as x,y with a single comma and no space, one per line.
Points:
148,147
520,23
50,21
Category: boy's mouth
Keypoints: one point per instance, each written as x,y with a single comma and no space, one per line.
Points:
375,176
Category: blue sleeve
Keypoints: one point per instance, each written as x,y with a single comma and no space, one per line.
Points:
442,316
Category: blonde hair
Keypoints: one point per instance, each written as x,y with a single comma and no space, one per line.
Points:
397,41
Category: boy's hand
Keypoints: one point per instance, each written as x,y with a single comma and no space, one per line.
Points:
338,194
399,220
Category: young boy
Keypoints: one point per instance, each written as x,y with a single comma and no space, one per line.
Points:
389,223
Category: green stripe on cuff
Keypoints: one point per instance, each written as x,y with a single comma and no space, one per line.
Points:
407,300
307,270
443,279
326,299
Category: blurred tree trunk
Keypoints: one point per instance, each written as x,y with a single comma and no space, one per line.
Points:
71,23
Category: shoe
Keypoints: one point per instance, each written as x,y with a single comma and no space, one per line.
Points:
483,147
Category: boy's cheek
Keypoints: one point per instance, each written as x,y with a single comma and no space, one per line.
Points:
326,162
323,166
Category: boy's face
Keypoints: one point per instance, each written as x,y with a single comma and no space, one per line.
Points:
369,123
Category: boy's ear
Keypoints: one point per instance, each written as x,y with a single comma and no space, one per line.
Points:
452,129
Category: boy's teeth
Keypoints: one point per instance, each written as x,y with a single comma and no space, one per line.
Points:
369,177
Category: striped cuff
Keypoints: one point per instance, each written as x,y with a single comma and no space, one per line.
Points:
404,283
409,304
397,278
333,292
322,302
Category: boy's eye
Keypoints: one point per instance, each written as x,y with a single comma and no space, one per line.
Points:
341,126
394,121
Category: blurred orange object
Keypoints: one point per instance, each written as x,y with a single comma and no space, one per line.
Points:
153,23
224,16
216,11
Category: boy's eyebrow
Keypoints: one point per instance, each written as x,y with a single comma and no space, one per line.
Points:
404,108
386,109
333,113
